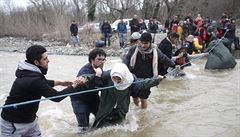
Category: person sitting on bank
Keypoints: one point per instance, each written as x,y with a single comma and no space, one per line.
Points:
114,102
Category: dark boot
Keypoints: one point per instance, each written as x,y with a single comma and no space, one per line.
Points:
109,42
121,45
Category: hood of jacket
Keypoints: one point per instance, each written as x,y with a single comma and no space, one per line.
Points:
24,69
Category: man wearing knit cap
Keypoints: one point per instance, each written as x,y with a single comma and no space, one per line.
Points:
135,35
133,40
145,57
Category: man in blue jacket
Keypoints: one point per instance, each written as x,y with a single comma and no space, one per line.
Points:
122,30
87,103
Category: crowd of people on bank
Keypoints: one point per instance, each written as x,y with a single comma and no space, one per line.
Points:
202,29
205,29
125,79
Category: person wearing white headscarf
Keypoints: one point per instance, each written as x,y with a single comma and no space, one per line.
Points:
121,71
114,102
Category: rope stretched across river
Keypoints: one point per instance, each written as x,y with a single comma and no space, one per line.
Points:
15,105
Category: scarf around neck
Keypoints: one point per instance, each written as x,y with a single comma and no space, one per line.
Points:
153,50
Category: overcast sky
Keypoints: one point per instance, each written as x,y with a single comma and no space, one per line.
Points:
23,3
17,3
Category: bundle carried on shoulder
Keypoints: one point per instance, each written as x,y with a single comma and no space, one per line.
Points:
219,56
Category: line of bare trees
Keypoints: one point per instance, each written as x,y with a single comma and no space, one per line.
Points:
51,18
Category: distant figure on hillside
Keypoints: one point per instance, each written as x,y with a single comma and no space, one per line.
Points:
122,30
143,26
153,27
106,30
74,34
134,24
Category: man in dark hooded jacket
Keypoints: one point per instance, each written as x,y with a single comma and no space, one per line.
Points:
74,34
29,85
87,103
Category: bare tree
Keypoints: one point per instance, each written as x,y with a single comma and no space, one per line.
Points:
172,7
236,9
145,8
52,18
9,4
156,9
40,6
120,6
58,6
78,9
91,4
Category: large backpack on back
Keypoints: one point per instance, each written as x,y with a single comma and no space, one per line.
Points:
219,56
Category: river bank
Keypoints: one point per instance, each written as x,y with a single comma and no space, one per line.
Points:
11,44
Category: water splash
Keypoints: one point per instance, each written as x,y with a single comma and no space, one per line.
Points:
129,125
3,96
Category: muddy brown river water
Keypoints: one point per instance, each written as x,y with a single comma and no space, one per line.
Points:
203,104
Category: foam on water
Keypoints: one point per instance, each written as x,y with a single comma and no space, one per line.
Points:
190,76
2,96
114,61
130,124
55,111
59,121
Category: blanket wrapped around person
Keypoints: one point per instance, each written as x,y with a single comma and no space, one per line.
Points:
219,56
